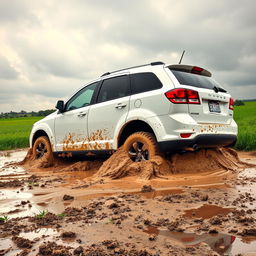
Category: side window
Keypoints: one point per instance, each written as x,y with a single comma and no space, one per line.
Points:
114,88
143,82
82,98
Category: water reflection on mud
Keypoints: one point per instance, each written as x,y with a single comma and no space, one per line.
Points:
223,244
8,172
41,232
207,211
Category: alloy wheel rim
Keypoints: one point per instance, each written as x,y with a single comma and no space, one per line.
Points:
138,151
40,150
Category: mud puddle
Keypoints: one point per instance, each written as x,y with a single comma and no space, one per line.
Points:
182,206
46,191
8,171
223,244
207,211
13,203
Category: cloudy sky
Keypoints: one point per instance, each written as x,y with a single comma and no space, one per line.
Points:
50,48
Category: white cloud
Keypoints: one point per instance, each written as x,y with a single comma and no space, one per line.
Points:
49,48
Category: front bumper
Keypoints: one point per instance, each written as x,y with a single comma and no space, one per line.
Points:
200,141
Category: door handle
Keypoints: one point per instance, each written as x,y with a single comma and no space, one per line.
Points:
81,114
120,105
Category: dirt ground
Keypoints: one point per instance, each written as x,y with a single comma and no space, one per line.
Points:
200,203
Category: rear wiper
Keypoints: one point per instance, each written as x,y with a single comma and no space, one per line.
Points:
218,89
221,89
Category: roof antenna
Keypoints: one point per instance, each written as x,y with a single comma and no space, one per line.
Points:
182,56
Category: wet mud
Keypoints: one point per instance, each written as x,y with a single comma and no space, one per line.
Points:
119,165
198,203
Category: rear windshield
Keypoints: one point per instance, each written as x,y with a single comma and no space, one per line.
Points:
197,80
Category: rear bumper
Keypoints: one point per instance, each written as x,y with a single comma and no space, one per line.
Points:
200,141
169,127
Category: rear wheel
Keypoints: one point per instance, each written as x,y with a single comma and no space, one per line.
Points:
42,149
141,146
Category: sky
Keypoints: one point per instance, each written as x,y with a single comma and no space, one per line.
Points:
50,48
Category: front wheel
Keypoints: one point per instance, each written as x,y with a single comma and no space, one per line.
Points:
42,150
141,146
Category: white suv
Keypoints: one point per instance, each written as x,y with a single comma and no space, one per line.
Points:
147,109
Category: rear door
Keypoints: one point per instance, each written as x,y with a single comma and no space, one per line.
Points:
110,111
147,96
214,100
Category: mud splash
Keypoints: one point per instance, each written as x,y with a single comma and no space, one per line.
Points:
73,142
119,165
208,159
30,161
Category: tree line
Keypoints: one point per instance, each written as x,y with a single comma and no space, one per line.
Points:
24,113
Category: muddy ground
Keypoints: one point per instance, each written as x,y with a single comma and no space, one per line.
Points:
190,205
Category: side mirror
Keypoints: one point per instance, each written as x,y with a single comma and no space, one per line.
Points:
60,105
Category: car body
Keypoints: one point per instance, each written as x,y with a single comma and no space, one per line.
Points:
181,106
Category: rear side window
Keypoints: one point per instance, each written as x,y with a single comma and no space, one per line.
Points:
143,82
114,88
196,80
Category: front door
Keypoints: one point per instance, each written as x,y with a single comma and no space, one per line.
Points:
71,131
109,112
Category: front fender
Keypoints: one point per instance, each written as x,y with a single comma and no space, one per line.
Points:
42,127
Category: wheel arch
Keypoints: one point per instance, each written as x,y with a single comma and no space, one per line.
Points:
42,129
38,134
132,127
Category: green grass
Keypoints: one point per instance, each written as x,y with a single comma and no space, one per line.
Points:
41,214
4,219
62,215
14,132
245,116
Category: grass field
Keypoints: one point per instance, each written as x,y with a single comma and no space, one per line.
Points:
245,117
14,132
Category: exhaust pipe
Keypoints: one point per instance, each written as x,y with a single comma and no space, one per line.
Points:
193,148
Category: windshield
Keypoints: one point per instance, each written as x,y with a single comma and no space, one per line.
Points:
197,81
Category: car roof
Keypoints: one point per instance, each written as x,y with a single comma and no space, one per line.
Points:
156,63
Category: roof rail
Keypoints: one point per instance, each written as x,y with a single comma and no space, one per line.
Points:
152,64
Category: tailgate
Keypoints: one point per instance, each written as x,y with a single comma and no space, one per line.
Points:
214,100
214,107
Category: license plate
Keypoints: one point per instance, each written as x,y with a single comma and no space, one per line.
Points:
214,106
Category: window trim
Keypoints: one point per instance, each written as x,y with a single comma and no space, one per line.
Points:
92,99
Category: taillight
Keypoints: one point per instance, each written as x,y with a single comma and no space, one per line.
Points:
232,239
185,135
193,97
183,96
231,103
197,70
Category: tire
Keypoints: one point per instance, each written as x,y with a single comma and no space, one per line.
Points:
42,149
141,146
